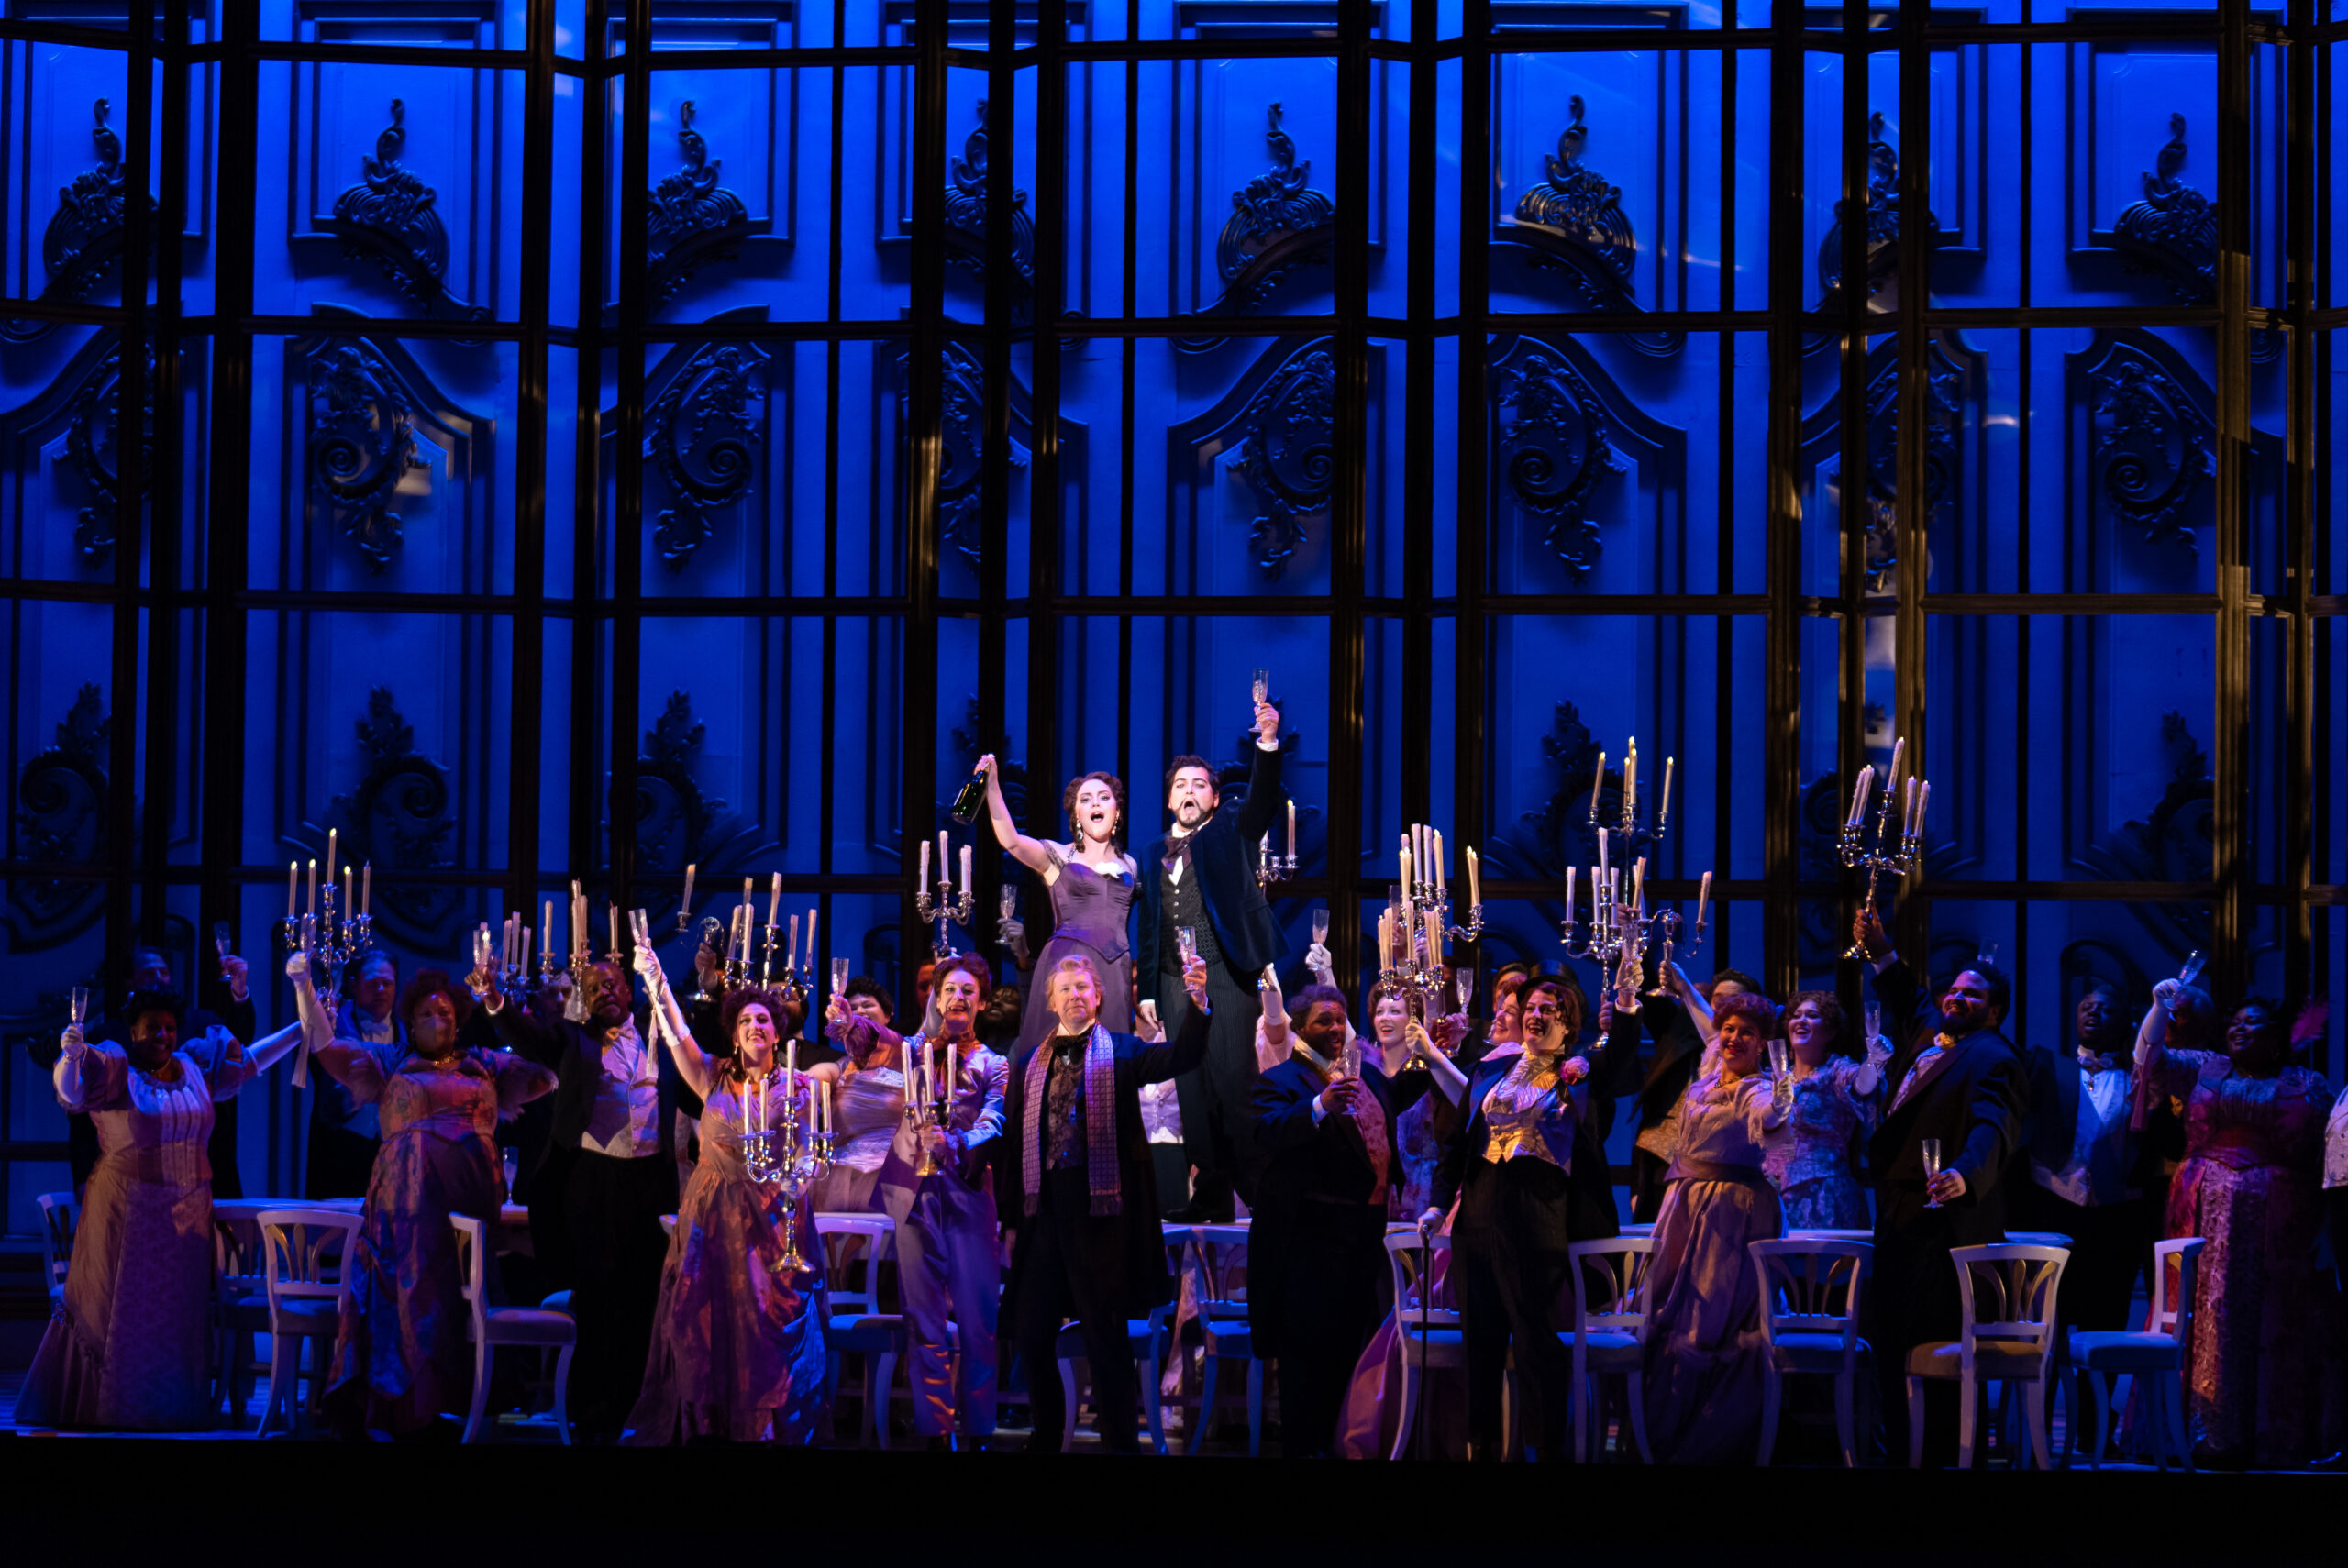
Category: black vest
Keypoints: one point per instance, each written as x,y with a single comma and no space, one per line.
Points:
1184,905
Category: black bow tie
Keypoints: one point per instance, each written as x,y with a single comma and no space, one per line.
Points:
1177,852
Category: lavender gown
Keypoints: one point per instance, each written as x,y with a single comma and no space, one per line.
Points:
1091,916
1703,1344
1808,1159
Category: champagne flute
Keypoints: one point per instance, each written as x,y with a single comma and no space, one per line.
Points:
1463,986
2192,968
839,976
1779,1058
1007,901
1321,925
1931,1150
1187,939
1874,1022
223,942
79,1001
1262,685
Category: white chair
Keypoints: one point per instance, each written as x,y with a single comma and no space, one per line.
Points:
57,1220
1146,1342
1226,1333
537,1327
1810,1323
853,1321
1611,1340
307,1259
2014,1343
2154,1358
1429,1336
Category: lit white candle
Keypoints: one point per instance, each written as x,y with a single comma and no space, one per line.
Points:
1908,811
685,900
1638,880
920,882
330,837
1597,780
1859,792
945,866
1292,830
1475,885
1703,895
1663,801
293,888
811,939
546,947
1923,804
612,922
966,868
1601,849
346,893
790,954
521,930
774,897
1435,938
311,909
1409,888
1899,756
1570,888
1441,868
1631,779
366,888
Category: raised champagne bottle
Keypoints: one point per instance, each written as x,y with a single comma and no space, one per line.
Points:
973,796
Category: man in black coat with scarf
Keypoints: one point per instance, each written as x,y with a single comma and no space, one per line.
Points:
1076,1190
1957,1079
1201,876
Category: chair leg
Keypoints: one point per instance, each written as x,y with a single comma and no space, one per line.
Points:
1508,1434
1915,1422
1208,1379
1639,1417
1968,1419
1254,1407
1772,1390
562,1396
1067,1406
481,1390
2102,1391
276,1387
1154,1404
2033,1406
2173,1400
1412,1372
1846,1426
881,1374
1578,1406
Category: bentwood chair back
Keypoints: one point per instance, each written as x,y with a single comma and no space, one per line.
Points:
1609,1339
1429,1336
2007,1292
853,1321
2154,1358
537,1328
307,1259
1224,1250
56,1217
1810,1323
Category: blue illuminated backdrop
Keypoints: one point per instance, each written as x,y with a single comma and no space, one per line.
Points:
585,439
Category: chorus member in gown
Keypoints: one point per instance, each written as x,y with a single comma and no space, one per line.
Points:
1680,1023
2264,1324
129,1348
1326,1133
1837,1082
150,970
1508,1168
1076,1195
737,1345
1201,877
344,1132
402,1355
1703,1351
950,1262
872,1164
613,1105
1959,1081
1091,881
2082,1164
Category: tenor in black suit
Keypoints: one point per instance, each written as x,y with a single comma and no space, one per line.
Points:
1103,1270
2093,1157
1203,875
1318,1242
1959,1080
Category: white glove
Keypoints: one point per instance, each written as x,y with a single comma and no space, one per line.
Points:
1317,959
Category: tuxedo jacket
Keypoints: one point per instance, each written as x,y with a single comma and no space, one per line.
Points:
1590,1204
576,1057
1973,1102
2052,1120
1318,1174
1223,857
1139,1250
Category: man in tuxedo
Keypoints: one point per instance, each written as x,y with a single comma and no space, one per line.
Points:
1076,1191
1201,877
2083,1177
1960,1081
1326,1136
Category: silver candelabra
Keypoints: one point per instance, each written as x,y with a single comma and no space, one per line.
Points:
791,1158
331,943
1620,930
1272,868
944,910
1899,856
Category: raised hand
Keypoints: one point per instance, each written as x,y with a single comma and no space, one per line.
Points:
1267,723
1338,1095
1194,982
987,766
1319,960
648,963
238,974
1867,930
297,965
73,1042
